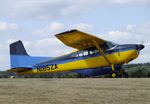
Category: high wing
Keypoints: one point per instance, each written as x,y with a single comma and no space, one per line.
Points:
19,69
81,40
78,39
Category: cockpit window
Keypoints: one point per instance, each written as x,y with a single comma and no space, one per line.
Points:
93,50
109,45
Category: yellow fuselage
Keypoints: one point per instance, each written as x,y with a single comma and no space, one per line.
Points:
91,62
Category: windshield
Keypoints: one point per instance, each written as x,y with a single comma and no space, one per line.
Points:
109,45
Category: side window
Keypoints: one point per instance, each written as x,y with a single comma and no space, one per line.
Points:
74,55
93,51
80,54
85,53
90,52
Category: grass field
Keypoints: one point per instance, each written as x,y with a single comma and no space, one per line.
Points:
75,91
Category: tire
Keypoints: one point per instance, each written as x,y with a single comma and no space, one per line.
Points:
113,74
123,75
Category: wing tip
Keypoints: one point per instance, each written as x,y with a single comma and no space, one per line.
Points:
73,30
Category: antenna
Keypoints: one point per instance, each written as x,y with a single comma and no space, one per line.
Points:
142,42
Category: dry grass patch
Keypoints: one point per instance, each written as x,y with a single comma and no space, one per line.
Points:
75,91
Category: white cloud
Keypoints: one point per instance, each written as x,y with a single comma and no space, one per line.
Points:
4,26
44,9
4,54
9,41
51,28
83,27
51,47
134,34
56,27
1,46
4,62
118,36
48,42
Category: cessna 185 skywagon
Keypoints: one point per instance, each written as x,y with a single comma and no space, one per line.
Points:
94,56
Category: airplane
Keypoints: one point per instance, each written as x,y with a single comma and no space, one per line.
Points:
93,56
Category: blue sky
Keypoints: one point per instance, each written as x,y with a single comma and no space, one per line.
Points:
35,22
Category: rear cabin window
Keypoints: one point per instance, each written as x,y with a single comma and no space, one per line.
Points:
84,53
80,54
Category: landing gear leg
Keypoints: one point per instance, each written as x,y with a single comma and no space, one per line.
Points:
123,74
113,73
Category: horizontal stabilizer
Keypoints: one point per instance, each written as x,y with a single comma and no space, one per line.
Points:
19,69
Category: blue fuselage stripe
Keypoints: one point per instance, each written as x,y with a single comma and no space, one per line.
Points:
67,58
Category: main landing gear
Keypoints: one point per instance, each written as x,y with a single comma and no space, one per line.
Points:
114,73
118,73
122,73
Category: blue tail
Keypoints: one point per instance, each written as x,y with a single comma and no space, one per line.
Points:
20,58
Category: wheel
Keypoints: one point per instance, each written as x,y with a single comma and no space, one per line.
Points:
113,74
123,75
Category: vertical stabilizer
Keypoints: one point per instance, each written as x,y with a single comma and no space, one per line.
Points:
20,58
17,48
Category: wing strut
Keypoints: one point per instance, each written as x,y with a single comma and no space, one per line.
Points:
103,54
101,51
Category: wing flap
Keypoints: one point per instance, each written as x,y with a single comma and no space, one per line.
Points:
78,39
19,69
